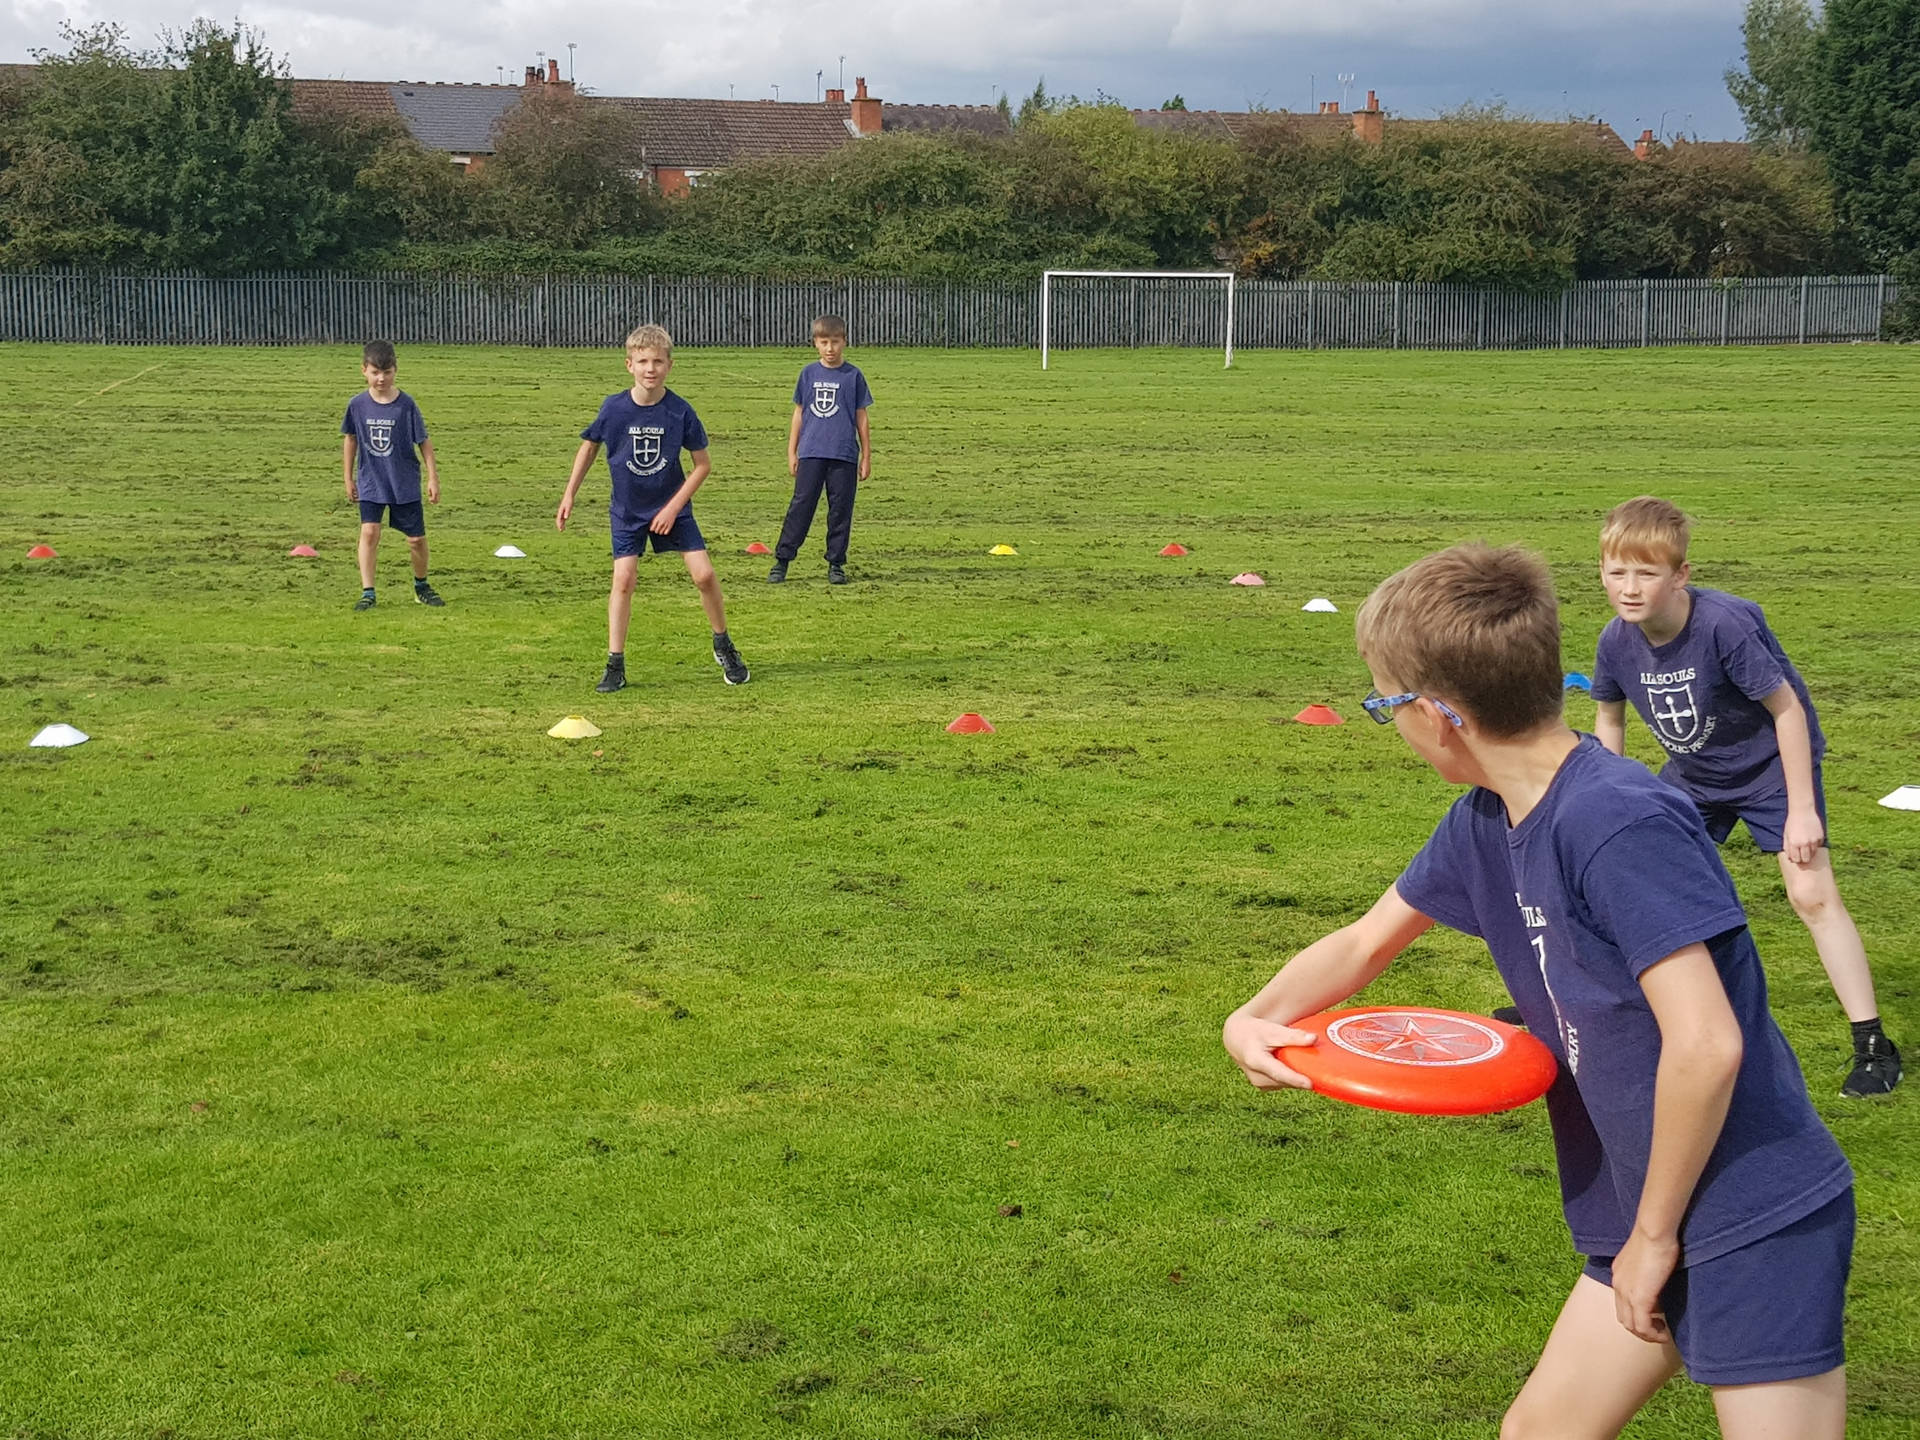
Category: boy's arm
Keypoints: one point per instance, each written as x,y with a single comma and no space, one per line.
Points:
433,472
349,453
696,477
1700,1053
582,462
1803,834
861,424
1610,725
1325,973
793,443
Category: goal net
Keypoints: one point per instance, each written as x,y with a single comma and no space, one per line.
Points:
1125,308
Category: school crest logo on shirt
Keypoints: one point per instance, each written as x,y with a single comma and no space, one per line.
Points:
1674,712
649,455
826,399
380,436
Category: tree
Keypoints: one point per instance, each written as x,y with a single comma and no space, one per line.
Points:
1178,102
565,172
1036,106
188,156
1863,117
1772,91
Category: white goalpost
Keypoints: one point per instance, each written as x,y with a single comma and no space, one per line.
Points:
1046,297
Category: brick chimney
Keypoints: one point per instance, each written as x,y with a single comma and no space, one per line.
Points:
1370,125
553,72
836,97
1644,147
533,75
866,109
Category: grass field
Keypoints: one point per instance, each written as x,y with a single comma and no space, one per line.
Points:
371,1064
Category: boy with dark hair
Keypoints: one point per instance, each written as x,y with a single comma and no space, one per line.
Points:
381,429
829,447
1743,742
1714,1209
644,429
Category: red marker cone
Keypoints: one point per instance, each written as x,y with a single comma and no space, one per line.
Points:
1175,549
303,552
970,724
1319,715
756,548
43,552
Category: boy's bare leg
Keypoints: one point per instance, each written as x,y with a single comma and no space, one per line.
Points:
1816,900
417,552
369,549
700,569
626,570
1593,1375
1811,1409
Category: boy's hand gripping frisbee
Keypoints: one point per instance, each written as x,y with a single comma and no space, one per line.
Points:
1419,1061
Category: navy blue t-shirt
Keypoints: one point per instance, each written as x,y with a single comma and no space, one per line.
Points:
643,452
828,400
1700,695
1610,874
388,470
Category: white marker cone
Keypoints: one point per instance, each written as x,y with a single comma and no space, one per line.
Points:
60,736
1320,605
510,552
1907,797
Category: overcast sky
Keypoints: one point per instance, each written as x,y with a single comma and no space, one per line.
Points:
1634,63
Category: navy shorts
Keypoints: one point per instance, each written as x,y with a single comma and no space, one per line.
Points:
1771,1310
685,535
1766,817
407,519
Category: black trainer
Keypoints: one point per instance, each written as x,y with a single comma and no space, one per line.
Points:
365,602
1510,1015
836,575
614,679
425,594
778,574
731,665
1876,1069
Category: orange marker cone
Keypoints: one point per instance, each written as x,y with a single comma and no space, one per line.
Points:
970,724
1246,577
1175,549
303,552
1319,715
43,552
756,548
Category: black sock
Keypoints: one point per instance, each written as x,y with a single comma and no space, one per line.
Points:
419,582
366,590
720,641
617,659
1864,1033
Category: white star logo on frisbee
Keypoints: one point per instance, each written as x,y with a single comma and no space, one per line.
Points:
1416,1039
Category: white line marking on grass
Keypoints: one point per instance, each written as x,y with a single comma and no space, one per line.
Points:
114,386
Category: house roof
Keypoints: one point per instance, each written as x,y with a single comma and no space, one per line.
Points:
697,134
454,117
342,97
974,119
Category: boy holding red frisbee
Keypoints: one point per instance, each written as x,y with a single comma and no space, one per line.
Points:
1743,742
1714,1208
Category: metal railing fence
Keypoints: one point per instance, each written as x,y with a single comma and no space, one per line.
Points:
330,308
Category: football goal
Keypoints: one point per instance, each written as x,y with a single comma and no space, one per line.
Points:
1110,322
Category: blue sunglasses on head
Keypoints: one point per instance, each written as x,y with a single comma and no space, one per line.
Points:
1381,707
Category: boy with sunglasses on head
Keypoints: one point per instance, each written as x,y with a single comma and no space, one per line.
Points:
1742,739
1714,1209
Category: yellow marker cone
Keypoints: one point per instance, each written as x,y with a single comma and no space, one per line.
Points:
574,727
1003,550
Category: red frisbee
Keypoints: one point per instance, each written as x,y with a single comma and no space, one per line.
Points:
1418,1061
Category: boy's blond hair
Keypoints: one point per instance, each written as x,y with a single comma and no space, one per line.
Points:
649,337
1475,626
829,325
1646,528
